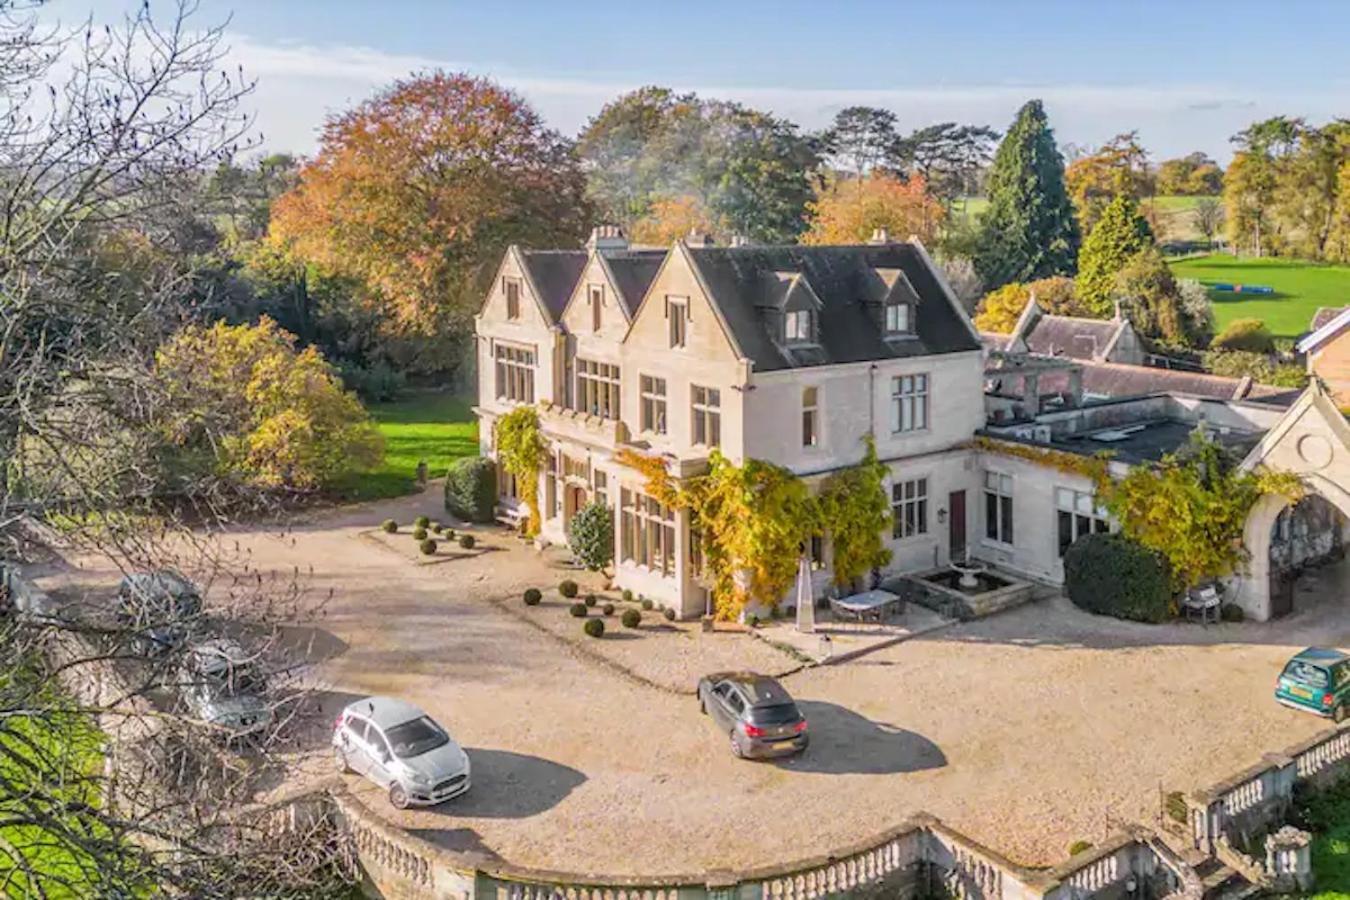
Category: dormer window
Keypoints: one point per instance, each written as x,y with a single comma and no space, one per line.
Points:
797,326
897,318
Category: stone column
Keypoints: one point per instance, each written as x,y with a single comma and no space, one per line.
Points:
1289,860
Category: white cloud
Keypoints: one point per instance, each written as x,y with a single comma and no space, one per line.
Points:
299,84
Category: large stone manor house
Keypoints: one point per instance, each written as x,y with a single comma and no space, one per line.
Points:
793,354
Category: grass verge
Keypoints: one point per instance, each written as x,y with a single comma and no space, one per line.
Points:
1300,288
436,427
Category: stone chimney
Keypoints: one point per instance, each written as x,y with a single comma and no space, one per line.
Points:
880,235
607,237
739,240
697,238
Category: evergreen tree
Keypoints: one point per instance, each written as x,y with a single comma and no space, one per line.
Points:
1029,230
1119,234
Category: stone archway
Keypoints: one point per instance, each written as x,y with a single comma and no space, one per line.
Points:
1256,588
1311,440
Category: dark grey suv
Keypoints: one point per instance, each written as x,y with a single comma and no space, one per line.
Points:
757,715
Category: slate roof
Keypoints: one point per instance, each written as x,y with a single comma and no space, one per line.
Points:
994,341
1120,380
842,277
554,274
1073,337
632,272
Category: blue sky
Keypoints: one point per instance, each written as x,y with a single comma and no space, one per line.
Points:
1186,73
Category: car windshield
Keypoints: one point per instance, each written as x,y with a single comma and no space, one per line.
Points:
416,737
1306,674
778,714
233,681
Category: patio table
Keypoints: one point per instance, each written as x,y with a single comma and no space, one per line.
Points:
869,605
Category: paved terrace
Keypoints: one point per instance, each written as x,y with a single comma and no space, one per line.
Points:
1027,731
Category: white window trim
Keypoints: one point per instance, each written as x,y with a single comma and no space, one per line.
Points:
1098,514
664,398
929,532
895,397
1012,496
819,419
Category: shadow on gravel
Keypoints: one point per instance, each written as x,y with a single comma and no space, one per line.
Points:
845,743
459,840
510,785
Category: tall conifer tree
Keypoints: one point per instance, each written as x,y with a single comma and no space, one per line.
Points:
1029,230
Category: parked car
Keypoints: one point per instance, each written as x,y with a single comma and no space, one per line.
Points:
222,686
159,605
758,716
1316,680
399,747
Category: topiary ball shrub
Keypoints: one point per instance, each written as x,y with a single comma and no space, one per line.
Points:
533,596
419,533
627,596
1078,847
669,614
631,618
436,528
1115,576
466,541
607,609
594,627
389,526
422,522
449,534
1231,612
590,600
578,610
590,536
647,604
471,489
568,589
1244,334
427,547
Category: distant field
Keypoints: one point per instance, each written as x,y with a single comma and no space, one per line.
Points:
1300,288
1173,215
437,428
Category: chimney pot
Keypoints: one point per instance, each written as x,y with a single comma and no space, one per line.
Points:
607,237
880,235
698,238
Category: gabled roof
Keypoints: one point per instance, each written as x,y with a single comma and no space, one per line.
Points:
631,272
1121,380
553,274
1326,324
845,279
1073,337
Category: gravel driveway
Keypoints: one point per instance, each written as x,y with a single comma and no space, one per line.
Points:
1028,731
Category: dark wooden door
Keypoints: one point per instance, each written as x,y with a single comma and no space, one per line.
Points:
1281,593
956,512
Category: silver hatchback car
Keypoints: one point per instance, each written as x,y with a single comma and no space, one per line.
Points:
399,747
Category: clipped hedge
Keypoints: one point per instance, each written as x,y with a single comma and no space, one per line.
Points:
594,627
471,489
1245,334
631,618
1115,576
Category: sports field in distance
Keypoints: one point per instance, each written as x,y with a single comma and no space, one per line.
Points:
1300,288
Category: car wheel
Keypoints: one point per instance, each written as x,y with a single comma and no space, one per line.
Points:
340,756
398,798
736,749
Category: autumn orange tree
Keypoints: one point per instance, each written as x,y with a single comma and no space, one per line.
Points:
670,218
415,195
847,211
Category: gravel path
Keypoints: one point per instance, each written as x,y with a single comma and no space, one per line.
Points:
1027,731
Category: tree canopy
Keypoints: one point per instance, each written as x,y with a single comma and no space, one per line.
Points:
1028,230
1119,168
849,210
752,172
1120,233
416,193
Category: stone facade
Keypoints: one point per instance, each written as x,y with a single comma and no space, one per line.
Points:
1327,350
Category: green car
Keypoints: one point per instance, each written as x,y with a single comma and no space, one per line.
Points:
1316,680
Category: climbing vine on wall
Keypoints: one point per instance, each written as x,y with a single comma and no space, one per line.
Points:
754,519
522,451
1192,507
855,512
1089,466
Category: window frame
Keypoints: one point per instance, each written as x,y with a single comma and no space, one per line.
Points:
1098,520
595,295
909,508
653,409
512,289
677,318
597,388
793,319
811,417
911,395
908,314
705,416
513,372
646,533
1000,514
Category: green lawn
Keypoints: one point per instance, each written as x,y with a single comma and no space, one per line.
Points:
1300,288
436,427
